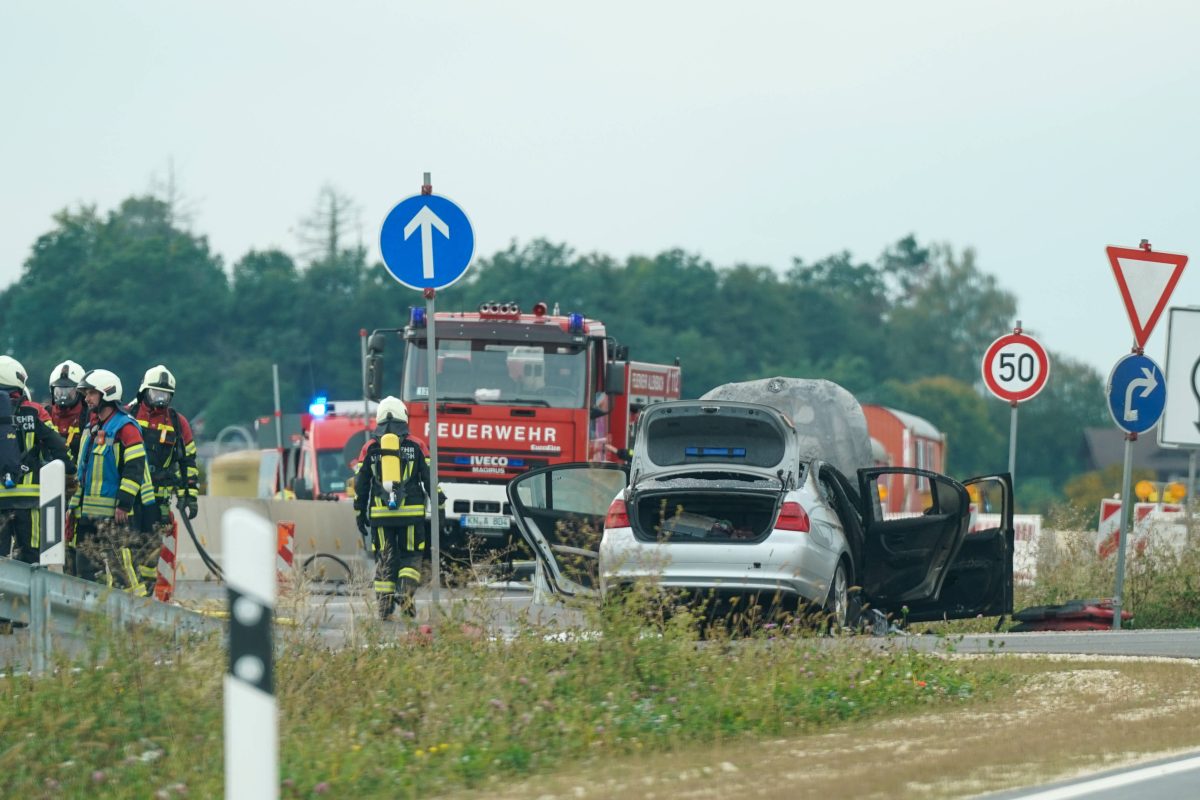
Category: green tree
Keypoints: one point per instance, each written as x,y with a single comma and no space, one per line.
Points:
947,318
124,292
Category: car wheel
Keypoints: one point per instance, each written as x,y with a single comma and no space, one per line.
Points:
837,604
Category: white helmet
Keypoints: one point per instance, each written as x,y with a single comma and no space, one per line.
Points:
13,375
158,385
105,382
158,377
391,408
64,383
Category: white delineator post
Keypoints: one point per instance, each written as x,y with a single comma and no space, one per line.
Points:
251,715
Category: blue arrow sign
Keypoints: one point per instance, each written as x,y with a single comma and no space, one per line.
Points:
1137,393
426,242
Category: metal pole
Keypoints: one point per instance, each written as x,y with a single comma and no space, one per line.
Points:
1012,446
435,523
278,431
39,623
1190,498
362,342
1126,508
435,530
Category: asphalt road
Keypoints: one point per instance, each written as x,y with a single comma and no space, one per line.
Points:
1168,779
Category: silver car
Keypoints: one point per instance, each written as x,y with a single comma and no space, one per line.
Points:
727,499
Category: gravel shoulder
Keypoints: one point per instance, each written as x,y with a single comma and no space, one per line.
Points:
1066,716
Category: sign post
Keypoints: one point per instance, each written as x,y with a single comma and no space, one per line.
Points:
1015,369
418,259
1136,387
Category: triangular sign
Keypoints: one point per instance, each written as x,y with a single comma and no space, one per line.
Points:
1146,280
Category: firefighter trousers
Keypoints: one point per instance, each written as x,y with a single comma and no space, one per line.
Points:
117,555
399,552
21,534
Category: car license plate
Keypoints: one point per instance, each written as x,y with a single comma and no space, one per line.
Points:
489,521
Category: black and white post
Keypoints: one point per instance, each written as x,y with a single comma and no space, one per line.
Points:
251,715
52,501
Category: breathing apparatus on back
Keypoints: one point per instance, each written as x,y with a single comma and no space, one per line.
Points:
391,426
12,469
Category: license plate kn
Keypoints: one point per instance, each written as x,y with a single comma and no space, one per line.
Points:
489,521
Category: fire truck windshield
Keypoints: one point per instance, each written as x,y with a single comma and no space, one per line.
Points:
332,471
550,375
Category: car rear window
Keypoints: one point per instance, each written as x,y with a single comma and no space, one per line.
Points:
740,440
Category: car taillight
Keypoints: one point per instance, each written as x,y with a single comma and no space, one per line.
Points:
617,517
792,517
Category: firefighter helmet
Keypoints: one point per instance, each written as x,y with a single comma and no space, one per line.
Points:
158,384
391,409
12,374
64,383
105,382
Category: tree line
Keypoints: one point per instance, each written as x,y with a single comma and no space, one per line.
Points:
134,287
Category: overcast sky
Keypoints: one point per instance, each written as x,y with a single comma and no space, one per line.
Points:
1035,132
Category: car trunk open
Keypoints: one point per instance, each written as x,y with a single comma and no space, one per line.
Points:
719,509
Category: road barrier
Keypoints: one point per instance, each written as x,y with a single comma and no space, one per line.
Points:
52,604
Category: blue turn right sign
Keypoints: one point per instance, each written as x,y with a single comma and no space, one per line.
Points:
1137,393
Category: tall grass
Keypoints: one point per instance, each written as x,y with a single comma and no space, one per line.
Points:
400,712
1162,585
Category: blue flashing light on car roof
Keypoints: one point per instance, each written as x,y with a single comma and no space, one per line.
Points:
416,317
574,322
318,406
726,452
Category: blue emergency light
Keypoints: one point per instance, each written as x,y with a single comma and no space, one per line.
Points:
574,322
717,452
416,317
318,406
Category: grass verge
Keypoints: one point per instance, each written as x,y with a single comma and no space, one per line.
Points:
402,714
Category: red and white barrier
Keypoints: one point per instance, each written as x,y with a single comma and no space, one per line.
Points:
284,549
164,582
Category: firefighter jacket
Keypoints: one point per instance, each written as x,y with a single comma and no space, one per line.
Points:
113,472
69,422
39,443
399,504
170,450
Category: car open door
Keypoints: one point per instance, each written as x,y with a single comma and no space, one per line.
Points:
906,557
979,581
560,513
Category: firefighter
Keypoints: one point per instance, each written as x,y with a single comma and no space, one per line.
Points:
27,441
115,485
170,448
390,490
68,412
69,416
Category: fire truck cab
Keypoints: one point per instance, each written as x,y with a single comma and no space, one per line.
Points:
333,435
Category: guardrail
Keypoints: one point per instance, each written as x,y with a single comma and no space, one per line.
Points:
54,604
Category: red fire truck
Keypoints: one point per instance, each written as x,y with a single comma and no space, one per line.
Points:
515,391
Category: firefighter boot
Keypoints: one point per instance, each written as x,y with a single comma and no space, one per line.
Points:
406,589
387,604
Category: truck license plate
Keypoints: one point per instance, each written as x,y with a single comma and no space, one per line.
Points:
489,521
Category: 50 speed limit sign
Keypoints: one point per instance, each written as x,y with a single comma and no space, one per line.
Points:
1015,367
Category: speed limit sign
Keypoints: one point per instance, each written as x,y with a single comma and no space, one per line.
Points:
1015,367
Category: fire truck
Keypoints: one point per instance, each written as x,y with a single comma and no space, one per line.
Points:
319,448
515,391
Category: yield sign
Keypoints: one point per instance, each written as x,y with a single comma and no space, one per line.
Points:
1146,280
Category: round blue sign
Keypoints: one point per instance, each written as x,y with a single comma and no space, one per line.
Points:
1137,393
426,242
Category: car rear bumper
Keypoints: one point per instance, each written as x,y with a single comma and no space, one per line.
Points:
786,562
